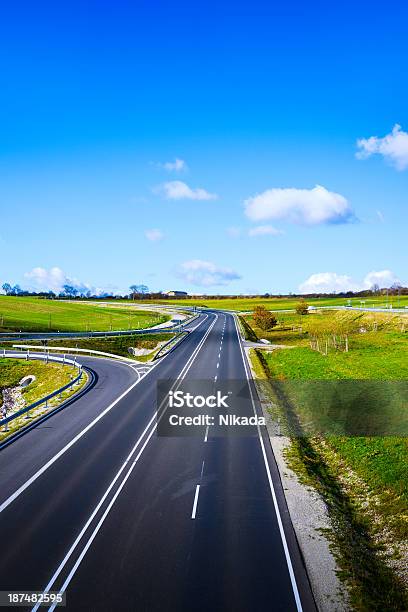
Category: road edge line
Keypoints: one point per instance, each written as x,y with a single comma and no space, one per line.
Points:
271,486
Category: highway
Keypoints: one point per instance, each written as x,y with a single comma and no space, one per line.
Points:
94,503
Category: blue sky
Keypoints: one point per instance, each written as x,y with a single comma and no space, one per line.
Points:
260,101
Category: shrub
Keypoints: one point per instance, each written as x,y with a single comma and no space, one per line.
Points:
302,307
264,319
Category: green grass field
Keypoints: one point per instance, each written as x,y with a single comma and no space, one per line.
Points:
373,355
35,314
243,304
370,514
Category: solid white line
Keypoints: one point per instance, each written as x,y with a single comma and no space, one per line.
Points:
272,488
197,491
53,459
102,519
206,434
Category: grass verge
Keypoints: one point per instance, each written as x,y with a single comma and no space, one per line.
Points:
49,377
247,330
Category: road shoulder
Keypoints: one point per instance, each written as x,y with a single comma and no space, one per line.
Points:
310,521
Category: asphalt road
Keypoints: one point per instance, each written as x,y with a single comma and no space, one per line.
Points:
93,502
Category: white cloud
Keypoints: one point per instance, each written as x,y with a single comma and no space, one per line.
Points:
234,232
264,230
41,279
178,165
47,280
205,273
380,216
154,235
331,282
301,206
393,147
328,282
177,190
382,278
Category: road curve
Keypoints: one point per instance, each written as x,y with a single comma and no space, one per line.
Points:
94,503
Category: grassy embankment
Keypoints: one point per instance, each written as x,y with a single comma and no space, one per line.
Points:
363,480
243,304
40,315
48,378
117,345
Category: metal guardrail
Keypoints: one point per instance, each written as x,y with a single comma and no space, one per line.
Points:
182,335
96,334
45,399
175,341
71,349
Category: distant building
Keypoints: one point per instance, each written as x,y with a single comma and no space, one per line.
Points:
175,293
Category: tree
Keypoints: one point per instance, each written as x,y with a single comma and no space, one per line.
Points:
302,308
138,290
69,290
16,290
264,319
7,288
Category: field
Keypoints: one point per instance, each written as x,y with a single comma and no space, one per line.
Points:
35,314
243,304
363,479
372,355
296,330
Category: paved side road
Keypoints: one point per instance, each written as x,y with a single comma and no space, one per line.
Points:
94,503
